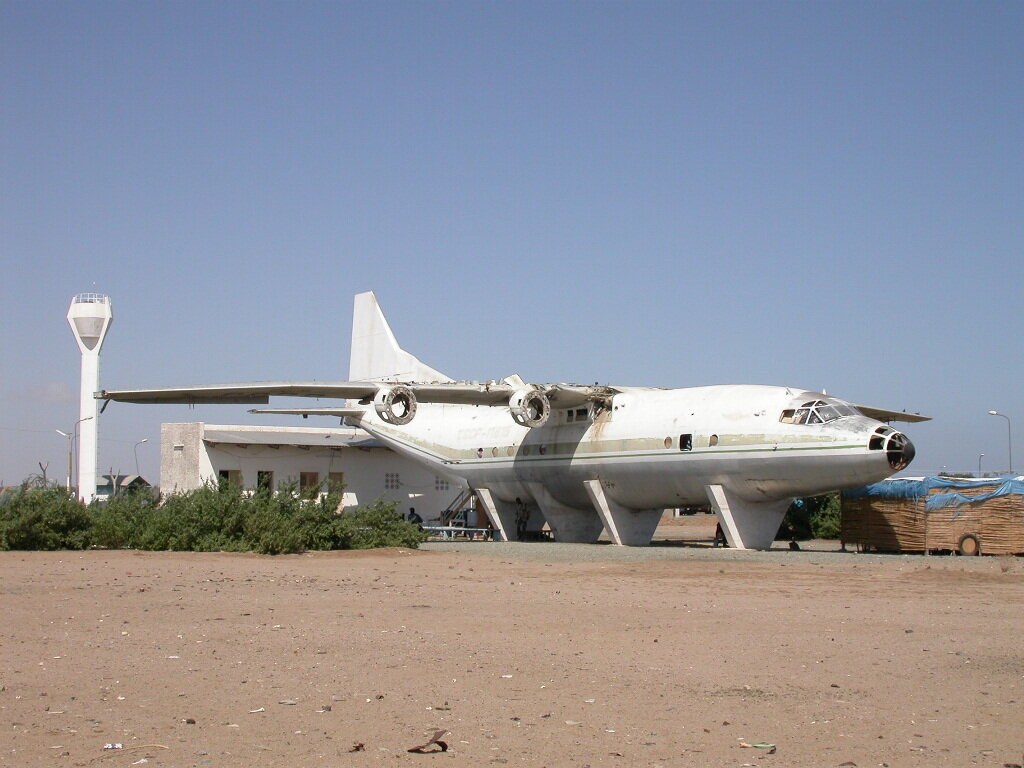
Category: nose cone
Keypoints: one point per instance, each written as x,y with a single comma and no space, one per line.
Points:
899,451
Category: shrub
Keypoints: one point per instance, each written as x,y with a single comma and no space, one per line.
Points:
380,526
44,518
816,517
213,518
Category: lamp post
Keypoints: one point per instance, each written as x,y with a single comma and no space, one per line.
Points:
70,454
980,457
1009,437
72,436
136,450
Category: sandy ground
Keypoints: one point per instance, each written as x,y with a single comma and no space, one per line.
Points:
527,654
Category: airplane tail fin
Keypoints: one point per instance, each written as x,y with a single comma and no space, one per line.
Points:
375,354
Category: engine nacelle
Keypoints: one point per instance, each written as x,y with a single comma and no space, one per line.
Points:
395,405
529,407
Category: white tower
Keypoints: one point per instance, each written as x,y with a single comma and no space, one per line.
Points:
89,317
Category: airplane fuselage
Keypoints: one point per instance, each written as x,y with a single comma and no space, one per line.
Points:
649,448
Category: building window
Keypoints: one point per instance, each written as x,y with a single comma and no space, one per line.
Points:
335,481
440,484
392,481
309,481
264,480
230,477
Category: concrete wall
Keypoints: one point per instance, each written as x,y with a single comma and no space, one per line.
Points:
369,473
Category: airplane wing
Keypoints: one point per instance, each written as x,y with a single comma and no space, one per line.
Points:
463,393
530,404
885,414
258,392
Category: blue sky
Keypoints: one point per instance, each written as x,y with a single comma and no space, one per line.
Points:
821,195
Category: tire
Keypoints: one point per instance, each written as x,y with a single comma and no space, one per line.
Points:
969,545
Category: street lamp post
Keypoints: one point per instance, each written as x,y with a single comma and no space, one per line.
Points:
980,457
1009,437
136,449
70,454
72,436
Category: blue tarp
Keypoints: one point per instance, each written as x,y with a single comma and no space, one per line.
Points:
900,488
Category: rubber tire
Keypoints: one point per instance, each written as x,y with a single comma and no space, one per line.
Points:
969,545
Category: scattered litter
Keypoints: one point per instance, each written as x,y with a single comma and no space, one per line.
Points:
254,711
325,708
358,747
589,701
572,722
118,745
506,676
424,749
760,745
288,702
190,721
140,762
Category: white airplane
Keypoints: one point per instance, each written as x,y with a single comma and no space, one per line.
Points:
587,458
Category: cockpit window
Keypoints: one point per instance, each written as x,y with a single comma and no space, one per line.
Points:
817,412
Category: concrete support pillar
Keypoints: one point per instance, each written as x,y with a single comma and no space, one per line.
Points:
627,527
747,524
502,514
567,523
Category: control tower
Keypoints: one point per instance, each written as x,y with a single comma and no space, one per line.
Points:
89,317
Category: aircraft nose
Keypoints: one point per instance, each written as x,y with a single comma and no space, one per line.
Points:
899,451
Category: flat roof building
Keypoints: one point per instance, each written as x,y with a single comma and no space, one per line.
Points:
192,454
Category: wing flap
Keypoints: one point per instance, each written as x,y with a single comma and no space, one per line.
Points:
311,411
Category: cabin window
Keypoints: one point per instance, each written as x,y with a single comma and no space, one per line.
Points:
577,414
817,412
713,440
686,442
668,442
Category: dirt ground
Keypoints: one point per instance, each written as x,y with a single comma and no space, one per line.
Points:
526,654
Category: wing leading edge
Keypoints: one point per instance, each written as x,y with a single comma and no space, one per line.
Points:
459,393
885,414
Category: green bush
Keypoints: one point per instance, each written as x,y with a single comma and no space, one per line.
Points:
380,526
215,518
44,518
816,517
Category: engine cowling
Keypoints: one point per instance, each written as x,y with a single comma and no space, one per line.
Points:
395,405
529,407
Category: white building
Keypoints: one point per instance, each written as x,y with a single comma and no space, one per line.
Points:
196,453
